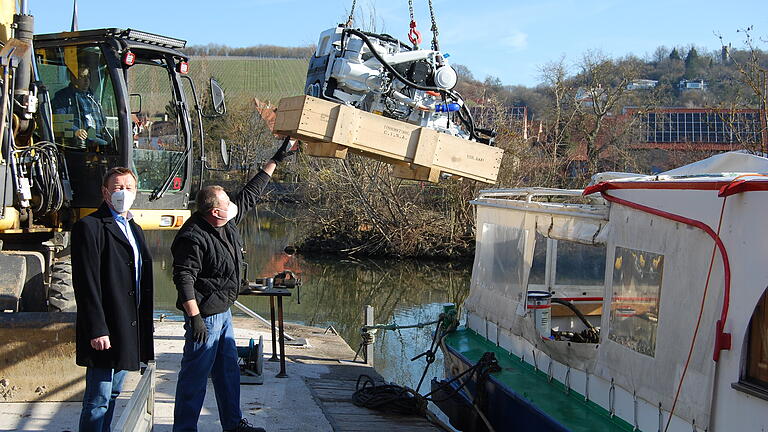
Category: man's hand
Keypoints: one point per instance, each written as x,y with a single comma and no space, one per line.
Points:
285,150
81,134
199,331
101,343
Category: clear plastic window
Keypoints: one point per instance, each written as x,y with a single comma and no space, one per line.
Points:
636,291
501,255
580,264
537,277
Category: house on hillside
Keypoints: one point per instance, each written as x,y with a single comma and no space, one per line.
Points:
587,97
684,85
642,84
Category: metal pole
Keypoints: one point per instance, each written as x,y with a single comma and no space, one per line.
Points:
369,322
282,373
272,326
248,311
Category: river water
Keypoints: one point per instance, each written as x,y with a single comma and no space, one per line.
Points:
335,291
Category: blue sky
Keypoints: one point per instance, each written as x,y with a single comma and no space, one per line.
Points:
507,39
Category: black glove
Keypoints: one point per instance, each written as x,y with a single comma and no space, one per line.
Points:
283,151
199,331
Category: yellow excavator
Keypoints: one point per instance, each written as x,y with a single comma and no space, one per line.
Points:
75,104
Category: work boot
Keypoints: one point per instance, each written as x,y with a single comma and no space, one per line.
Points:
244,426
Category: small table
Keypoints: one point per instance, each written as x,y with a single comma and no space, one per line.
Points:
272,293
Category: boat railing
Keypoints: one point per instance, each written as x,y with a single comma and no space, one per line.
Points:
529,193
138,415
571,203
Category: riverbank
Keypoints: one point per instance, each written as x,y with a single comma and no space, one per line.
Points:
316,395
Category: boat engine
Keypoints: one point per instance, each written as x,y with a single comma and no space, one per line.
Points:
378,73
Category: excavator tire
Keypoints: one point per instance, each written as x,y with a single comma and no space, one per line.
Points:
61,295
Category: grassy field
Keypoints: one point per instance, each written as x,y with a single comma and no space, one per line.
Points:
244,78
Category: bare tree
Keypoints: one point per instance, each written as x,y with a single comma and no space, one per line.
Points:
355,207
605,84
563,111
753,72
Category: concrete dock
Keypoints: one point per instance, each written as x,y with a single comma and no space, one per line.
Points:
316,395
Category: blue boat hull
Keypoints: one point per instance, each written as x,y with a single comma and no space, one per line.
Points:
504,409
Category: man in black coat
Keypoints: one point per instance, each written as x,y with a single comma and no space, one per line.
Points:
207,260
112,278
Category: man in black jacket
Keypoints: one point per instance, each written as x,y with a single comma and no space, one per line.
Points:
112,278
207,258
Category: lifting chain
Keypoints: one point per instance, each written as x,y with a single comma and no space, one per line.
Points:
435,32
413,35
351,18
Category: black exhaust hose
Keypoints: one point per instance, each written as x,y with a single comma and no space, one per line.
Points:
467,122
575,310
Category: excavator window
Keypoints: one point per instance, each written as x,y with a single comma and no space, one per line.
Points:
83,103
158,137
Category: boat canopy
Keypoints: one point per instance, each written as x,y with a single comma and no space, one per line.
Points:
655,277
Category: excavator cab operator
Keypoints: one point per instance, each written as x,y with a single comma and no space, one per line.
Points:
81,113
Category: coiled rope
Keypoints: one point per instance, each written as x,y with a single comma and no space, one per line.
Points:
397,399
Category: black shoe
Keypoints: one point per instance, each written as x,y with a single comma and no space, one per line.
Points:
244,426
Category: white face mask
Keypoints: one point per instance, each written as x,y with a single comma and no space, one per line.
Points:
122,200
231,212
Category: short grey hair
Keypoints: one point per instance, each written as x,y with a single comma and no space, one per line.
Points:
208,198
118,171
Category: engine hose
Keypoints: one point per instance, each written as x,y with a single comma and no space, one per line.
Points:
468,122
575,310
388,38
392,70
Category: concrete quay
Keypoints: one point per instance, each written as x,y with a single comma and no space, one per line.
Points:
316,395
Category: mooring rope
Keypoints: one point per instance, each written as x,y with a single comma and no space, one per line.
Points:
397,399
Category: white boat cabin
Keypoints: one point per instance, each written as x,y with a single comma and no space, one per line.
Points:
671,268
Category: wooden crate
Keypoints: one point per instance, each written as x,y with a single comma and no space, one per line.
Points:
332,130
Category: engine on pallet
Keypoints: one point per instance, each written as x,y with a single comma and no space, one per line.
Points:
380,74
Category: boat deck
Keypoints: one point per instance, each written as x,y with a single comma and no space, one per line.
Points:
568,408
316,395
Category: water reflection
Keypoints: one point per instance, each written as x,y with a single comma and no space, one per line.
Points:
336,291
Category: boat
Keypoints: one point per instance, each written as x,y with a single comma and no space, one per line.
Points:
638,303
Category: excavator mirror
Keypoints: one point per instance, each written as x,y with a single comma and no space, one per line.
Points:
224,152
217,97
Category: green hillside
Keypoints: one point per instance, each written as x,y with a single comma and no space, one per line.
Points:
244,78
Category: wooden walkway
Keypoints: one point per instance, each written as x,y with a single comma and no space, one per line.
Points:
335,399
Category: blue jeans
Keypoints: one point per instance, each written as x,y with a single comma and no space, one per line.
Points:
102,387
217,357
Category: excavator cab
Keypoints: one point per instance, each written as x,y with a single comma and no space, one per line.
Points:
117,98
